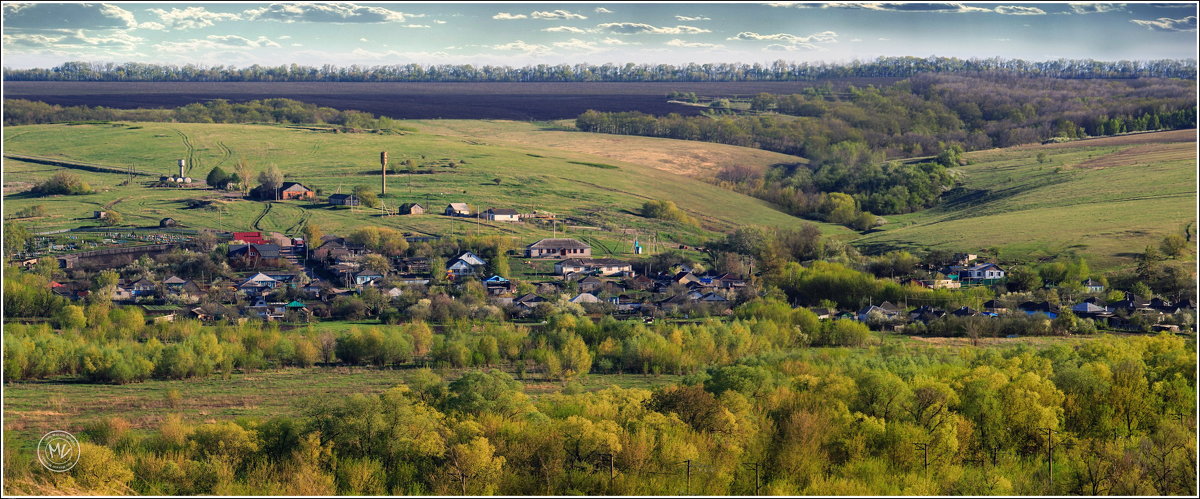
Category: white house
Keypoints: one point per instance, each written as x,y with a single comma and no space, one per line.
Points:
983,271
502,215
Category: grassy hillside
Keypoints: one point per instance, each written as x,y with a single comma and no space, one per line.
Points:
1105,199
591,190
692,158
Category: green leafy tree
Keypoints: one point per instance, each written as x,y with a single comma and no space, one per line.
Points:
15,237
217,178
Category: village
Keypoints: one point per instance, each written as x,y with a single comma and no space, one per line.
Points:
269,276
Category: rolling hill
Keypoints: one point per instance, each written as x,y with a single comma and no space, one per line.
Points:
1103,198
590,190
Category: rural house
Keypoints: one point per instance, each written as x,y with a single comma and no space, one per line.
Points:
254,251
983,271
1093,286
458,210
502,215
289,190
472,259
548,248
343,200
412,209
599,266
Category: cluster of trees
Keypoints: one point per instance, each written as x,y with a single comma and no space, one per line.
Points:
924,114
62,183
25,112
898,67
667,210
811,422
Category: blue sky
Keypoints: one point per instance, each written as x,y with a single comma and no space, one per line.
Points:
370,33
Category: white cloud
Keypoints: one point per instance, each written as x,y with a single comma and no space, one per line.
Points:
696,18
578,45
416,26
439,21
192,17
1168,24
1017,10
285,37
822,37
683,44
557,14
1096,8
297,45
68,16
215,43
77,39
615,41
778,47
505,16
151,25
909,7
564,29
327,13
521,46
632,28
602,10
362,39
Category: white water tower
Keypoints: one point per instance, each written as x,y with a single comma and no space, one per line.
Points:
181,163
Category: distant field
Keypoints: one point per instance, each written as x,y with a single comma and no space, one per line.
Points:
692,158
531,177
430,100
1103,198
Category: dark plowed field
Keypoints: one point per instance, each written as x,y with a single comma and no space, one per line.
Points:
512,101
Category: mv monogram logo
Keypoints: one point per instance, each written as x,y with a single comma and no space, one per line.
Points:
58,451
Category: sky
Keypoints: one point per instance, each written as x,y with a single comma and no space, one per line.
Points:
44,34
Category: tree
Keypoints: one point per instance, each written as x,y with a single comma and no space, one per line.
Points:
15,237
217,178
1174,245
312,236
243,174
377,263
63,183
474,466
112,218
271,179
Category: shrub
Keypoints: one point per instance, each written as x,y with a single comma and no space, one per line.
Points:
100,471
63,183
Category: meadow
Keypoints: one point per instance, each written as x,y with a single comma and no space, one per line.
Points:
588,190
1106,199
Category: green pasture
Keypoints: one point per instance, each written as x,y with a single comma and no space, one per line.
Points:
530,178
1029,210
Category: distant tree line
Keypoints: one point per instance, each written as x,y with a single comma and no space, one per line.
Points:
25,112
849,135
896,67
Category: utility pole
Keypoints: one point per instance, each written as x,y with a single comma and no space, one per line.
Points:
756,467
687,488
383,173
924,448
1049,455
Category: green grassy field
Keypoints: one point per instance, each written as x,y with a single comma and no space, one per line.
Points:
531,178
1105,199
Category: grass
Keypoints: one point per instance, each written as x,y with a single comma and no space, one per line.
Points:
533,177
1105,199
